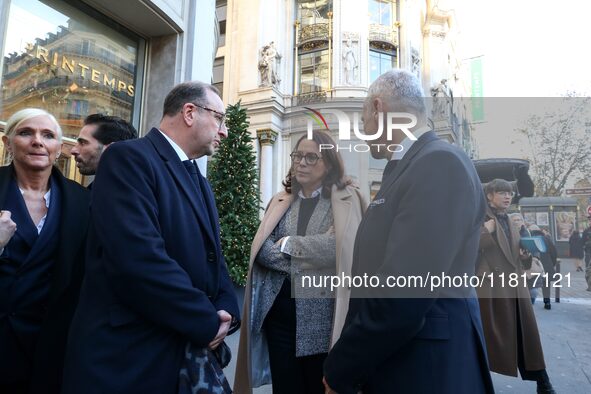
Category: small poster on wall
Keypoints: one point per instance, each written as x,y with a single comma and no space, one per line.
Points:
529,218
565,224
542,219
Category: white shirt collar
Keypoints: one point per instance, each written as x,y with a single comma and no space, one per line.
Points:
315,193
407,143
182,155
47,198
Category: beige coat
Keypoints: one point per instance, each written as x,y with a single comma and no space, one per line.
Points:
348,206
502,307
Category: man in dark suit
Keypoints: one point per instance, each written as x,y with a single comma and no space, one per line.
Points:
156,278
98,133
425,218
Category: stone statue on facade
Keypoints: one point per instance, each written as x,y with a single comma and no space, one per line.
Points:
268,60
349,62
441,100
415,62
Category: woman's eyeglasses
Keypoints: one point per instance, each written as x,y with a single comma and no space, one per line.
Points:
311,157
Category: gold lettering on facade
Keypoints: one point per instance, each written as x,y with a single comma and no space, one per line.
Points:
84,68
70,66
95,76
42,53
110,82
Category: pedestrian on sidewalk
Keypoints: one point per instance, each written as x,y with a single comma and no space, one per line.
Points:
549,260
510,327
586,236
576,249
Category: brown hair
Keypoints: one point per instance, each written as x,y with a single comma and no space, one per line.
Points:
498,185
332,160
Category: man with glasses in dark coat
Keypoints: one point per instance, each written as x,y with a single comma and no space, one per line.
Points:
156,278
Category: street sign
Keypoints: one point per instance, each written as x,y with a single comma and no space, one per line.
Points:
582,191
589,210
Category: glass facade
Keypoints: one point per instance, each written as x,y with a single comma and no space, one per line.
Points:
380,12
64,60
379,63
313,72
311,12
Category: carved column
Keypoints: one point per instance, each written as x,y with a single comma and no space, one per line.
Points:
266,138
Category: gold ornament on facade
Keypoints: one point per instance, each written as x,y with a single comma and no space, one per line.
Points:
315,32
382,37
310,98
266,136
314,45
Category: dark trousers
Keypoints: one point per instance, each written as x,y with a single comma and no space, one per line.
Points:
546,291
290,374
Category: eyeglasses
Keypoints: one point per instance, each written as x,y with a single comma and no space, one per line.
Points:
311,157
221,117
506,194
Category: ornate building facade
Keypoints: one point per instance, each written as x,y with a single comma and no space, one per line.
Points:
286,59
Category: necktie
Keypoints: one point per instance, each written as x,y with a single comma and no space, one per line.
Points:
193,171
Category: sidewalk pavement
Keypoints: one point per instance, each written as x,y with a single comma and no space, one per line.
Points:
566,338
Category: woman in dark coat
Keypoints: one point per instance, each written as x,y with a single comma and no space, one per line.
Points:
577,251
548,259
43,226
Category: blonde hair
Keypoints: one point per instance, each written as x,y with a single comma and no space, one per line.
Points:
25,114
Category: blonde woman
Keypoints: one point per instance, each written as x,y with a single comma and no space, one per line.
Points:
43,226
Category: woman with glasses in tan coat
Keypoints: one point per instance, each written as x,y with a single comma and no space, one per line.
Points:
308,230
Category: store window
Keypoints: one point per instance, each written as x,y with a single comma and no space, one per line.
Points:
314,33
313,72
379,63
71,62
383,37
380,12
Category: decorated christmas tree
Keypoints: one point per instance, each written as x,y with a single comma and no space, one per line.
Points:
233,176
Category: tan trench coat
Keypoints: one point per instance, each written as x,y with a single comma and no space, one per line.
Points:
502,307
348,206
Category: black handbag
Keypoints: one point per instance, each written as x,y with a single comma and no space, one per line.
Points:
201,371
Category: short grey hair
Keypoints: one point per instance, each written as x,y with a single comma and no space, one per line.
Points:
400,88
25,114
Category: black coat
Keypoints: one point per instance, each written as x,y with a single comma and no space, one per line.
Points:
155,275
576,245
426,217
549,258
66,277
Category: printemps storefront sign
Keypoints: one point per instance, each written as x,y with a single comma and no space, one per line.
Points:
71,64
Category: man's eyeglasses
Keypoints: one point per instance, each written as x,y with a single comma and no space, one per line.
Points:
220,117
506,194
311,157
